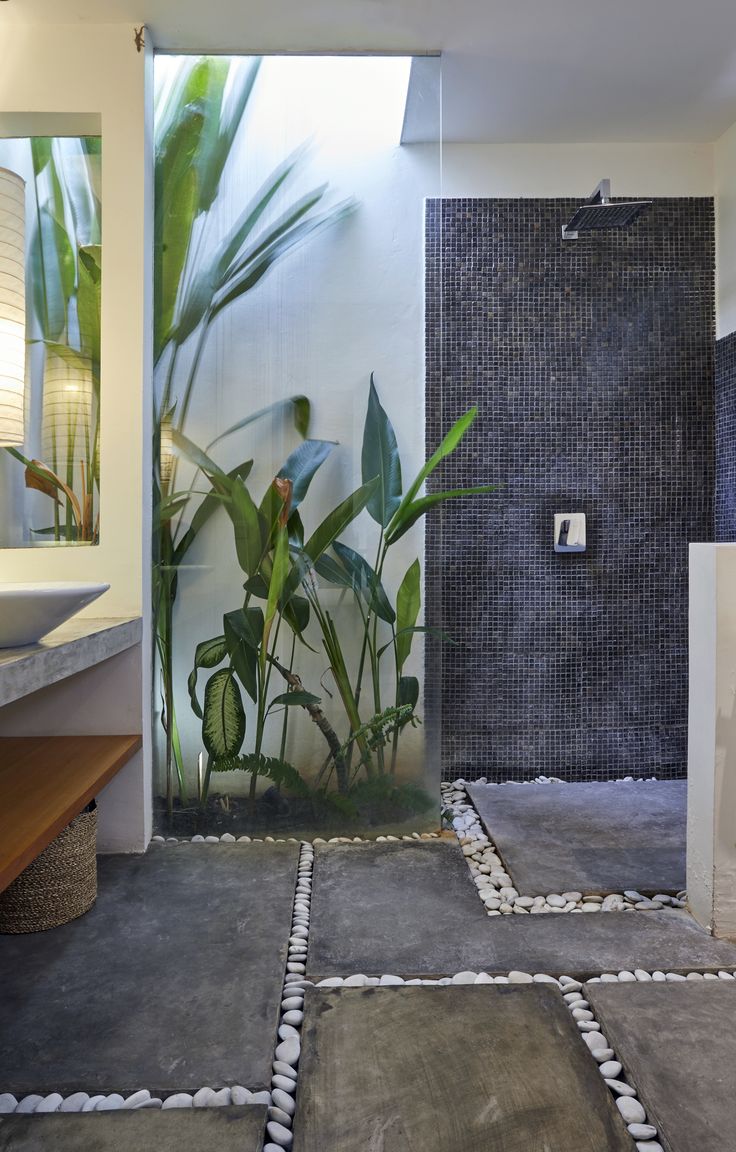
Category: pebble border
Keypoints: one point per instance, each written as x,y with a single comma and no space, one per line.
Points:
114,1101
496,887
288,1041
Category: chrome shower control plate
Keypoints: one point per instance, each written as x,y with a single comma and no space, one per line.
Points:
569,532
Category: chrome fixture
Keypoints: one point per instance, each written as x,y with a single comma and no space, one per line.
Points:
600,212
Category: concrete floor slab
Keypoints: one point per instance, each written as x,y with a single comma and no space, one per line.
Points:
677,1043
171,982
412,910
449,1068
175,1130
600,837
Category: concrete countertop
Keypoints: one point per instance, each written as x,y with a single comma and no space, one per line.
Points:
79,644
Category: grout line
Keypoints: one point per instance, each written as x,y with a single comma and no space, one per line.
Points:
494,883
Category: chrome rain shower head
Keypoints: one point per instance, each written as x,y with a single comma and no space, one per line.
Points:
600,212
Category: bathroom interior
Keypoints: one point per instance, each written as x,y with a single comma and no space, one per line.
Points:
366,504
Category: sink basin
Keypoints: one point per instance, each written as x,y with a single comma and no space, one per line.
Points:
30,611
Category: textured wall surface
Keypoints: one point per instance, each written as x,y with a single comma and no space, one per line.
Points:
726,438
591,362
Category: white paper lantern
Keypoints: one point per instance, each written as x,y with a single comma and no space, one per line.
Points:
67,412
166,449
12,307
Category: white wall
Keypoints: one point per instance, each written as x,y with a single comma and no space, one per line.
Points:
95,72
725,189
711,832
575,169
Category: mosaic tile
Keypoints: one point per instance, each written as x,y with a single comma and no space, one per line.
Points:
592,365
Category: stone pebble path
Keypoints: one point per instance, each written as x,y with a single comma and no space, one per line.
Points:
496,891
495,886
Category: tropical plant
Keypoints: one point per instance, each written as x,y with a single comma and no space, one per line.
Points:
65,276
198,115
274,558
281,571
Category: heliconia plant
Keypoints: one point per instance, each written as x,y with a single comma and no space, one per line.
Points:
282,572
199,112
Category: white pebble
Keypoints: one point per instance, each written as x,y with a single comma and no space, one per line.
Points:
240,1095
111,1103
642,1131
619,1087
288,1051
631,1110
133,1101
8,1103
284,1084
611,1068
464,978
388,980
51,1103
279,1134
91,1104
520,978
203,1098
293,1017
29,1103
261,1098
595,1041
178,1100
283,1101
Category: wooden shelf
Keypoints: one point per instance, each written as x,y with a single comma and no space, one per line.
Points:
45,781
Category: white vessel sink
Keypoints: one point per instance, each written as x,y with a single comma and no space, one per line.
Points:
30,611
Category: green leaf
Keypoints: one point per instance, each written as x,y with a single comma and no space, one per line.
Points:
408,692
211,502
242,645
88,303
302,465
208,654
408,603
380,457
300,409
223,725
296,615
407,516
331,527
364,580
446,448
279,574
425,629
294,699
249,537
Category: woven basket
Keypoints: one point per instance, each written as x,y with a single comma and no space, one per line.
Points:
59,885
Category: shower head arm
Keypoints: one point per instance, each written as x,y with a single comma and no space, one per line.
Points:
601,194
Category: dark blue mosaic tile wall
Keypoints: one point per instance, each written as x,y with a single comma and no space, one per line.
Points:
592,364
726,438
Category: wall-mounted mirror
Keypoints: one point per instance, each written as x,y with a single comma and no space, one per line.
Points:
50,211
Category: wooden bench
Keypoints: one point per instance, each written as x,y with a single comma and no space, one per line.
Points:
45,781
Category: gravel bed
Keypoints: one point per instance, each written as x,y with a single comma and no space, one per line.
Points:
496,887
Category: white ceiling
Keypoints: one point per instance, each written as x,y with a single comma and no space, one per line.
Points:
514,70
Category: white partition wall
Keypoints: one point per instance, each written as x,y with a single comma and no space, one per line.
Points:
70,79
711,833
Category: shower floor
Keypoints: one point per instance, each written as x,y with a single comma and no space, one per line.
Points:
597,837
